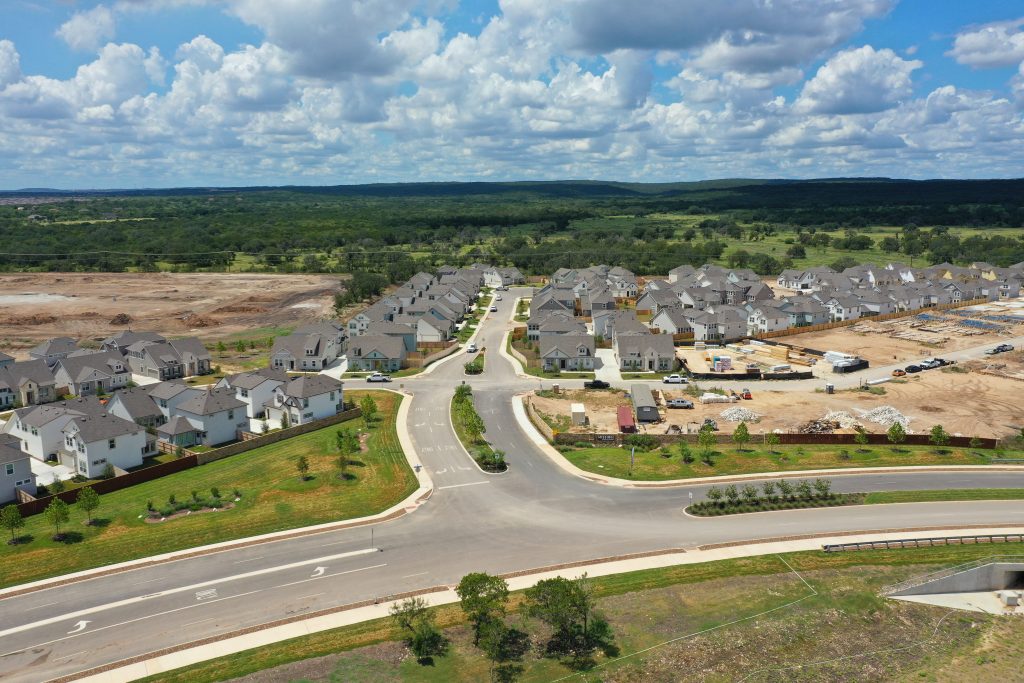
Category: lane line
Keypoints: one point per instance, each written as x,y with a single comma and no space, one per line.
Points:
409,576
251,559
80,652
307,597
149,580
315,578
181,589
200,621
41,606
452,486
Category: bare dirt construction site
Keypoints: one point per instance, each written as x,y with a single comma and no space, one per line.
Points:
968,403
92,306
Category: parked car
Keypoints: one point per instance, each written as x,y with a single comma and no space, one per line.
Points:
678,403
912,368
929,363
899,373
675,379
497,297
378,377
471,348
1002,348
494,309
596,384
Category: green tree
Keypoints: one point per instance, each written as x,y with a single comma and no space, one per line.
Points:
785,488
741,435
769,489
732,494
749,493
302,465
220,347
707,441
803,488
505,647
896,434
861,439
422,637
463,392
10,519
369,408
347,443
88,501
57,513
938,436
715,494
685,453
567,606
483,598
771,439
56,486
823,488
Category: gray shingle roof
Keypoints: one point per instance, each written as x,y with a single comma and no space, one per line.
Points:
210,402
138,403
176,425
166,390
101,427
311,385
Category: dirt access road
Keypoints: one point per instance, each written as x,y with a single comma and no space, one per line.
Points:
38,306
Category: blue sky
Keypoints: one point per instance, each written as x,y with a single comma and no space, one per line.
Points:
160,93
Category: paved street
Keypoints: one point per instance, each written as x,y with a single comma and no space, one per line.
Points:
534,515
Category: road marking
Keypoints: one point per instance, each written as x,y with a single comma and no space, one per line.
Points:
455,486
180,589
40,606
309,597
148,581
409,576
206,594
80,652
191,623
319,571
251,559
79,627
326,576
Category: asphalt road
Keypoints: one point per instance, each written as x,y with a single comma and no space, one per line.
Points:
534,515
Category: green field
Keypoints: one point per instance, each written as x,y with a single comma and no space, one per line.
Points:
725,619
655,466
273,498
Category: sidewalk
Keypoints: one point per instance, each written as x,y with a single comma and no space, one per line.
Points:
399,509
519,410
346,616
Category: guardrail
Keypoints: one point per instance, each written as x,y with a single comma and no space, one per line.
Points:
898,543
948,571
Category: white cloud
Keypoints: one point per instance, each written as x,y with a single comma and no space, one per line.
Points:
992,45
858,81
86,31
10,63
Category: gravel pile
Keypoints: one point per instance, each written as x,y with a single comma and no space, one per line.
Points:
819,427
737,414
845,420
886,416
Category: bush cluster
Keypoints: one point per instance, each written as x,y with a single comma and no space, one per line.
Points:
194,502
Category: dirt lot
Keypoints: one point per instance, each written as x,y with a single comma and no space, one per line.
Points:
972,404
38,306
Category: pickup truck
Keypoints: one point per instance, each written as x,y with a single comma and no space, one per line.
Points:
678,403
675,379
378,377
595,384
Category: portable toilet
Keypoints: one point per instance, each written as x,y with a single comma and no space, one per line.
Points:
579,414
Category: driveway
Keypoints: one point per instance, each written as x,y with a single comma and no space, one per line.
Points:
337,368
46,474
606,368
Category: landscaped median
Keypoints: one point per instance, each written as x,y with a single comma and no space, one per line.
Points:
275,495
690,617
469,427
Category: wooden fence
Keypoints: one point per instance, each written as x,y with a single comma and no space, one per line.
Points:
877,318
790,439
257,440
423,361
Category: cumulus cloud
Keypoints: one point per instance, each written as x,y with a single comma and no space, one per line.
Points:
858,81
86,31
992,45
10,63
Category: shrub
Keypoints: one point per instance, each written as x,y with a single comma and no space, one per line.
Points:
642,442
583,444
215,492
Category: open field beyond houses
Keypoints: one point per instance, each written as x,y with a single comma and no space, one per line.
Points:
273,498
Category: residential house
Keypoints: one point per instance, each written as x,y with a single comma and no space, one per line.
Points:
39,428
370,352
15,470
306,399
53,350
766,316
305,351
843,308
256,388
680,272
138,406
407,331
566,352
503,277
378,312
805,311
718,324
27,383
169,395
654,300
92,442
645,352
671,321
125,338
88,373
216,417
168,360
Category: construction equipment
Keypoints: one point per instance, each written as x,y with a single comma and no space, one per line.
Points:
746,395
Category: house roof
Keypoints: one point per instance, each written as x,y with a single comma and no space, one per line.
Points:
176,425
55,346
101,427
566,343
137,403
210,402
10,454
190,345
37,416
128,337
390,328
388,346
27,370
79,367
251,380
660,344
311,385
166,390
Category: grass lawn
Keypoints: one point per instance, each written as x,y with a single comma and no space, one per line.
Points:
845,620
650,375
273,499
944,495
652,466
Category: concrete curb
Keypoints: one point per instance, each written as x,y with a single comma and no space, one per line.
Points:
185,655
451,425
519,410
409,504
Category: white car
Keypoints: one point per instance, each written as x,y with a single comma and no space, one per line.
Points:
497,297
471,348
494,309
378,377
675,379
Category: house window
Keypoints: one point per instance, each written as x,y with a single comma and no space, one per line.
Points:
245,393
332,395
305,403
82,467
231,415
10,469
111,443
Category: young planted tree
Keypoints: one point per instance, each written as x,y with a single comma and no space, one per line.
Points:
785,488
939,437
749,493
707,442
423,637
347,443
685,453
11,519
302,465
803,489
896,435
823,488
732,494
771,440
741,435
861,439
369,409
57,513
505,647
769,489
484,598
88,501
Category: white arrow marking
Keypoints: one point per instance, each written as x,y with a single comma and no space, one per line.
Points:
80,626
319,571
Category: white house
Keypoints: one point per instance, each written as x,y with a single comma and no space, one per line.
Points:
92,373
15,470
168,395
305,399
216,417
254,389
90,443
